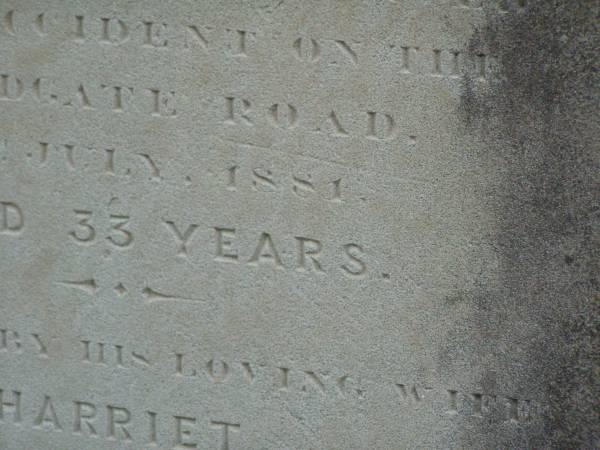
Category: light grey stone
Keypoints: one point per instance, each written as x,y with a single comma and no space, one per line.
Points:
282,224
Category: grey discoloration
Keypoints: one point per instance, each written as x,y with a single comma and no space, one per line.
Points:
540,124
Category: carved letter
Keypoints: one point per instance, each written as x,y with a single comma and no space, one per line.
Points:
217,376
182,239
224,250
225,427
358,267
194,33
264,179
11,88
41,420
265,243
307,50
239,42
311,248
163,103
11,218
85,411
113,420
15,405
231,115
155,34
181,434
283,116
387,132
120,37
119,96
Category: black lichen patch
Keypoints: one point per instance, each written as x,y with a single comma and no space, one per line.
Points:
540,120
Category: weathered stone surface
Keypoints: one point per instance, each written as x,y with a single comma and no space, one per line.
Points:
299,225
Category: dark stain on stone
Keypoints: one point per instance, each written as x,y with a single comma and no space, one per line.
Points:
539,122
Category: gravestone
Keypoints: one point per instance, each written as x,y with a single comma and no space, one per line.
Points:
298,224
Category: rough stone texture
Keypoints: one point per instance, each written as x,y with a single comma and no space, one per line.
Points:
299,225
542,120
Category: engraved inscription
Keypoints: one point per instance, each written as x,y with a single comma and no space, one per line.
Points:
445,63
261,177
273,378
204,40
200,38
82,158
106,354
114,423
84,233
244,151
244,112
477,405
266,250
15,342
117,99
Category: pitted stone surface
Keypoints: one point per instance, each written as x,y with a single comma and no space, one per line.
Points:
299,225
